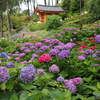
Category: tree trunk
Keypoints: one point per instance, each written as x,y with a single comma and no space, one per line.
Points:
8,21
28,8
34,4
1,21
45,2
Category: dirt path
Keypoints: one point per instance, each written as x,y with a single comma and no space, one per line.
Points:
31,34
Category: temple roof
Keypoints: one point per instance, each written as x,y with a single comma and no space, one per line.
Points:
50,8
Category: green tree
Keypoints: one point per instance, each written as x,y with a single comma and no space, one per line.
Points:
94,8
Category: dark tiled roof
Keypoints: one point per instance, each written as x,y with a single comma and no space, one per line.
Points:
49,8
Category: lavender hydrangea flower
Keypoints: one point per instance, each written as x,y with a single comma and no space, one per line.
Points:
28,73
40,71
17,52
60,79
64,54
38,44
96,65
47,41
43,40
43,48
61,32
4,75
32,47
69,45
10,54
70,86
32,59
21,54
24,62
88,51
54,52
27,50
59,47
54,69
98,38
94,55
97,51
23,48
34,55
10,65
81,57
76,81
54,41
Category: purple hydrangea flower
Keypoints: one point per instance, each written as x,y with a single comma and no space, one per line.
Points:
28,44
81,57
17,58
61,32
27,50
40,71
24,62
64,54
96,65
32,47
43,48
98,38
70,86
55,41
56,34
38,44
10,65
54,69
10,54
88,51
47,41
76,80
94,55
97,51
17,52
59,47
43,40
65,28
34,55
60,79
23,48
32,59
21,54
69,45
28,73
54,52
4,75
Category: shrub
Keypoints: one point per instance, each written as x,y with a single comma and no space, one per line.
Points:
37,26
53,22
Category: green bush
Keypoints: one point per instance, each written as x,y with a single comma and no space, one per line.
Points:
37,26
53,22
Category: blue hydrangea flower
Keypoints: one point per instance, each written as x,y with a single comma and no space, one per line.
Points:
10,65
64,54
4,75
60,79
28,73
3,55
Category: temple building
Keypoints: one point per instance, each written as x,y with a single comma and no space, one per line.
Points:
43,11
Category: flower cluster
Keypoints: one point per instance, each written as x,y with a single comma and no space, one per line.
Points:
60,79
28,73
98,38
71,84
44,58
64,54
54,69
10,65
53,52
82,57
40,71
4,76
88,51
38,44
69,45
21,54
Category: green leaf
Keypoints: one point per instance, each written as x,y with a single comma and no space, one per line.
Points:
10,84
35,97
24,95
27,86
3,86
57,95
91,98
92,88
45,91
96,93
14,97
88,79
98,85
